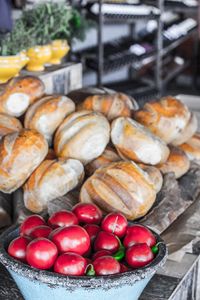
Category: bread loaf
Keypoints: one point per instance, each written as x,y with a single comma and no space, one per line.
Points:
177,162
187,132
82,135
109,155
20,154
192,148
8,124
165,118
120,187
52,179
111,105
155,176
133,141
19,93
47,114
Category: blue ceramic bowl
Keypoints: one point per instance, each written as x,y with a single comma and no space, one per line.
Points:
45,285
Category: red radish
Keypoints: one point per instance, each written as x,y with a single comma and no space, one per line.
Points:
17,248
87,213
70,264
123,268
115,223
29,223
106,265
138,234
88,260
92,230
41,253
40,231
71,239
101,253
62,218
106,241
139,255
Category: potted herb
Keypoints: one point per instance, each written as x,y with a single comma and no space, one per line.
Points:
12,56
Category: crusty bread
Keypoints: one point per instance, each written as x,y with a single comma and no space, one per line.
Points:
165,118
52,179
155,176
111,105
187,132
120,187
47,114
51,154
8,125
133,141
19,93
20,154
192,148
82,135
177,162
108,156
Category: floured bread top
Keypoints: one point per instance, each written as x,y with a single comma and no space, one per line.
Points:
134,141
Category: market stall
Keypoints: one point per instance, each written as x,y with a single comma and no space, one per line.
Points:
64,146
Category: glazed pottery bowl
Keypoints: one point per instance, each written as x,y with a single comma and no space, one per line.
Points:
10,67
38,57
59,49
37,284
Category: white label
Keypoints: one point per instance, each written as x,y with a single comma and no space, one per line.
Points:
137,49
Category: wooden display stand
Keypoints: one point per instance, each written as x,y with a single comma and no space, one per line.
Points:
60,79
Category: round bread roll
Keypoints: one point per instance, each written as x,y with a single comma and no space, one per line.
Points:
52,179
111,105
108,156
19,93
120,187
133,141
155,176
177,162
82,135
8,125
192,148
185,134
165,118
20,154
47,114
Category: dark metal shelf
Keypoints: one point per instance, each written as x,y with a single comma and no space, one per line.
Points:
179,41
122,18
174,73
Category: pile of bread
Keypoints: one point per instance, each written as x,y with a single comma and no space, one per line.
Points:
112,152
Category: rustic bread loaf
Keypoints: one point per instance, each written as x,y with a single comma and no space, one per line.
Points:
8,125
177,162
165,118
187,132
192,148
82,135
123,187
111,105
52,179
47,114
19,93
133,141
155,176
109,155
20,154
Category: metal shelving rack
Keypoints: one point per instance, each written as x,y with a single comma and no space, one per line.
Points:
161,50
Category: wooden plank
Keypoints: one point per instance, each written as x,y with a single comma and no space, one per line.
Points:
60,79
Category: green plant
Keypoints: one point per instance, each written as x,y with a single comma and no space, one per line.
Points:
50,21
16,41
43,23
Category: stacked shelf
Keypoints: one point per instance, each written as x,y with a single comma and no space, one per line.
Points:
168,31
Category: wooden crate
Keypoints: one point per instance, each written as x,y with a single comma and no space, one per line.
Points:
60,79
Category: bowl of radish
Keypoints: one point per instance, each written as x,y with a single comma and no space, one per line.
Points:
79,254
